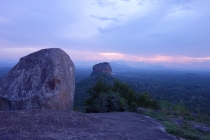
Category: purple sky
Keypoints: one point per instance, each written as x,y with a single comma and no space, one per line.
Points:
167,32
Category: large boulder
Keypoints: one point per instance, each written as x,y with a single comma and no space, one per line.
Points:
103,67
41,80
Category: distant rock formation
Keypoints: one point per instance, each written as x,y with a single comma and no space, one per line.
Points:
41,80
103,67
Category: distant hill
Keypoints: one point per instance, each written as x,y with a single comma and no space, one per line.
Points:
133,66
6,64
119,66
3,72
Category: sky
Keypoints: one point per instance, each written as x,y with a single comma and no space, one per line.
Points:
173,33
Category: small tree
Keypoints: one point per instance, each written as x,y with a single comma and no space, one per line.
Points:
123,104
142,100
145,100
180,110
165,107
133,106
117,97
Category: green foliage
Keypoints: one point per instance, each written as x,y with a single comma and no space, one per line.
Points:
105,102
142,100
131,96
114,103
123,104
192,87
165,107
125,91
97,103
169,114
84,86
169,85
117,97
180,110
104,97
133,106
145,100
100,86
185,131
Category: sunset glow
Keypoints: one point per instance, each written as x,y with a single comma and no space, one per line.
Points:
156,31
16,53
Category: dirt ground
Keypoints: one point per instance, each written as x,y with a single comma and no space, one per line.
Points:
70,125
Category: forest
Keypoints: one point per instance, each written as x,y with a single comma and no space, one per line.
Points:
189,88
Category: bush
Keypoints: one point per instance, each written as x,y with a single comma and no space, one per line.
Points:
133,106
104,102
123,104
165,107
114,103
145,100
117,97
180,110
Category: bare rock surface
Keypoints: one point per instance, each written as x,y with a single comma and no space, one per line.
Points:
41,80
135,126
70,125
54,125
103,67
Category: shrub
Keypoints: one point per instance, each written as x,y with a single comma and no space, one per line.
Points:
123,104
145,100
180,110
117,97
133,106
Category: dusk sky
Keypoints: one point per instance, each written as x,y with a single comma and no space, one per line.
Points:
167,32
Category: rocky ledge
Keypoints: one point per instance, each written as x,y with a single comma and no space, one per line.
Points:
70,125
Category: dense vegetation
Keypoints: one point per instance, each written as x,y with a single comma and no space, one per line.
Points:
180,122
105,97
188,88
83,86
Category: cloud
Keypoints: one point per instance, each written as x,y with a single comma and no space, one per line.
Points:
149,30
104,18
14,52
104,3
154,59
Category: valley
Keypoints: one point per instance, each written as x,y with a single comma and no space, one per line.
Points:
190,88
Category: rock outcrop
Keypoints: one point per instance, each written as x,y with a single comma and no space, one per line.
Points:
41,80
103,67
69,125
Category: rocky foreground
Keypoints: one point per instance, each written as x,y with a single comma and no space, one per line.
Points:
57,124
